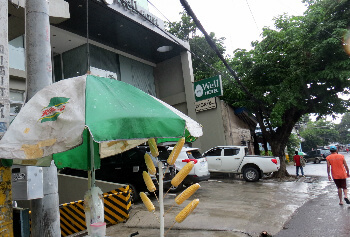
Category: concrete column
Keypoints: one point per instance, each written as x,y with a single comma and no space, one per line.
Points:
187,71
45,212
38,48
6,216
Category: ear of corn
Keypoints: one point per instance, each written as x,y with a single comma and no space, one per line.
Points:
186,211
148,203
150,165
176,151
148,181
187,193
153,147
179,177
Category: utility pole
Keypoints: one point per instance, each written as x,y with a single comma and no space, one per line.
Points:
45,211
6,221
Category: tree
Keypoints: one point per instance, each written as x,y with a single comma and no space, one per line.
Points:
318,134
344,129
293,145
204,61
298,68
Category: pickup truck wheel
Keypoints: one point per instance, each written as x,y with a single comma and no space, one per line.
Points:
317,161
251,174
134,196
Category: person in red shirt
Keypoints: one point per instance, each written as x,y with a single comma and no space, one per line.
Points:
297,163
337,165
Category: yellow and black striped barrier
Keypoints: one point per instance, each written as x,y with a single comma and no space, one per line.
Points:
117,204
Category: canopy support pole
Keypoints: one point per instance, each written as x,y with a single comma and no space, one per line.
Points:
92,180
161,198
93,199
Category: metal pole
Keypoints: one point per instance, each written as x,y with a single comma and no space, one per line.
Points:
45,212
161,198
6,224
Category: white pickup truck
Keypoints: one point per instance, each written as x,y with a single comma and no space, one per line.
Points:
234,159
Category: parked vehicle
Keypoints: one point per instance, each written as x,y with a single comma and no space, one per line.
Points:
315,156
127,168
234,159
198,173
325,154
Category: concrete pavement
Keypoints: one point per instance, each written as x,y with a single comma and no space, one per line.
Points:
232,207
228,207
320,217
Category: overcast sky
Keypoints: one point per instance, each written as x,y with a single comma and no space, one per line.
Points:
239,21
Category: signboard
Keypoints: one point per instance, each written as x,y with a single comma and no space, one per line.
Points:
205,104
208,88
132,9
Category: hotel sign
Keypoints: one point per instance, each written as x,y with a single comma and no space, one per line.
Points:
132,9
208,88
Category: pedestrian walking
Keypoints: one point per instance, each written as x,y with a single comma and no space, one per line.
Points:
299,163
337,165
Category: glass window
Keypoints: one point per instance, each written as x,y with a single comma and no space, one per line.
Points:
214,152
195,154
231,152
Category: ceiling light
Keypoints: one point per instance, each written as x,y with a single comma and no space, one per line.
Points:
164,49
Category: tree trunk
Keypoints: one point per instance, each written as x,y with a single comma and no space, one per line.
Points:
277,149
256,144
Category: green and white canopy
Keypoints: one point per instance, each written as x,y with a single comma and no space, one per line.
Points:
117,115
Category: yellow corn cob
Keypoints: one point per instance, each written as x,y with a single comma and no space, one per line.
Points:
150,165
186,211
176,151
187,193
153,147
148,181
148,203
179,177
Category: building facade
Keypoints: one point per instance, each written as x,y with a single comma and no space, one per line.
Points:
123,40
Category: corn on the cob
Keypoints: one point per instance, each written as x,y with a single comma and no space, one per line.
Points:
150,165
187,193
148,181
186,211
153,147
176,151
148,203
179,177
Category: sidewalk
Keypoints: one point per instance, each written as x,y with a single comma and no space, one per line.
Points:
319,217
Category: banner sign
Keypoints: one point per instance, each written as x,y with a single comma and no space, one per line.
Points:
208,88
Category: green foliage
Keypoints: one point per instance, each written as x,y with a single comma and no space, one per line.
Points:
205,63
344,129
183,29
298,68
317,134
293,144
269,153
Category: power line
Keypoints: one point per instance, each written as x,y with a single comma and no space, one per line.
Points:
159,11
252,15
